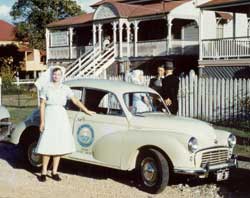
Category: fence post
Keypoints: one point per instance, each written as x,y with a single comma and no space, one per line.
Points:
214,99
18,90
191,93
235,87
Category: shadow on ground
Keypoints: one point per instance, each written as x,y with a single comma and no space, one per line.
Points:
236,187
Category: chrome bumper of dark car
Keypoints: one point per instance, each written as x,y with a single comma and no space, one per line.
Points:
232,163
5,131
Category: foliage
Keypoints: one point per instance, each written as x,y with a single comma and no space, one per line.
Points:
32,16
10,57
7,76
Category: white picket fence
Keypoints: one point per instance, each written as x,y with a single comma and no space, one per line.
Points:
211,99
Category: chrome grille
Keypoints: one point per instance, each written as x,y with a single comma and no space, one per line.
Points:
214,157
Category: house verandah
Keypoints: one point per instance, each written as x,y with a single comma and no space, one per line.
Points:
148,34
226,53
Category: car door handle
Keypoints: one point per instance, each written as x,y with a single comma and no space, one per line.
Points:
80,119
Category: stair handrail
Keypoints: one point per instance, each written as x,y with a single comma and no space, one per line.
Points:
109,58
71,71
100,56
88,64
103,57
77,60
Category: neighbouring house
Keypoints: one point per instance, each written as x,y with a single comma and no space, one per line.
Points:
141,33
34,59
34,62
7,33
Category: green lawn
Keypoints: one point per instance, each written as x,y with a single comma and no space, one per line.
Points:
242,150
237,132
19,114
20,106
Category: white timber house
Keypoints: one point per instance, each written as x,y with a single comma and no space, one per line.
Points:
125,34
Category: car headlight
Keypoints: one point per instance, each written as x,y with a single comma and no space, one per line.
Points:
192,144
231,140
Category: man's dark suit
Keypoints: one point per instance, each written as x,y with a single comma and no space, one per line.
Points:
170,87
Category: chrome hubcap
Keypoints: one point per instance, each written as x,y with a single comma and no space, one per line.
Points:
34,159
149,171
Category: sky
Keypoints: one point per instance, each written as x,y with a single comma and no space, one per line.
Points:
5,7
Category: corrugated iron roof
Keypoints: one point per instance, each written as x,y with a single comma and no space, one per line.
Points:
80,19
125,10
105,1
219,2
227,71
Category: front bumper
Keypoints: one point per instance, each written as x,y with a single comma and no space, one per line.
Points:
203,172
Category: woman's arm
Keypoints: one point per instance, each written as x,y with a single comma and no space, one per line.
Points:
42,112
81,106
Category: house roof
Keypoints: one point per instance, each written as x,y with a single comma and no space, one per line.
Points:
7,31
235,6
80,19
124,10
105,1
219,2
132,10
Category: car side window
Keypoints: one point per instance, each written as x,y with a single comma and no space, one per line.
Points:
103,102
78,93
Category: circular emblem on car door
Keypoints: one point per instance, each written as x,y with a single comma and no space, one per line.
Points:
85,135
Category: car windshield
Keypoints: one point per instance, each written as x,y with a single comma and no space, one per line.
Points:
144,102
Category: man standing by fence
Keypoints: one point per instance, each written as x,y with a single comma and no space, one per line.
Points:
156,82
170,87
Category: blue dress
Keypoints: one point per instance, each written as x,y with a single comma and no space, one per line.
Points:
57,138
138,104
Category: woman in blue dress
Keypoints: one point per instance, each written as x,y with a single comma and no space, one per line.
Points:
56,137
140,100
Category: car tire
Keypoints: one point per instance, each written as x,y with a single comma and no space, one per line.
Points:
28,145
152,171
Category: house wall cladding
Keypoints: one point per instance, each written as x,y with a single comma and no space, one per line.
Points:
209,21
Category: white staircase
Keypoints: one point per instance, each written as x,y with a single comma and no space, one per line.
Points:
92,63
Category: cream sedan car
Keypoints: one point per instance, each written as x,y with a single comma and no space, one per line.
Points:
133,130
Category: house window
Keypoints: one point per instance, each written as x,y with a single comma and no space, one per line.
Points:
248,27
220,28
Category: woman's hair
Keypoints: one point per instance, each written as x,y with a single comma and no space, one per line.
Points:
134,76
56,69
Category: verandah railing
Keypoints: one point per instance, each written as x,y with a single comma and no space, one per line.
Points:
225,48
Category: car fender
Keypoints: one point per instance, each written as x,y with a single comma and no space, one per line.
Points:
169,144
32,121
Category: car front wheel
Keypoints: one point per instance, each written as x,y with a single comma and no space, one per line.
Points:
152,171
33,159
28,144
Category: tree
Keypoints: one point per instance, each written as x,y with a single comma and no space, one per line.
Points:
32,16
10,57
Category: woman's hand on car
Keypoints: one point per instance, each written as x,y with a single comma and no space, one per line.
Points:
41,128
91,112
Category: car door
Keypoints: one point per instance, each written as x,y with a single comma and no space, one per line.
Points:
73,110
99,138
